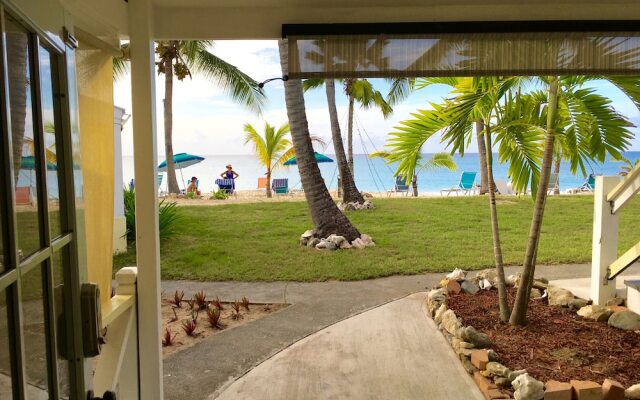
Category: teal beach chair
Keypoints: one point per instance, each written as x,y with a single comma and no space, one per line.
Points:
280,186
465,185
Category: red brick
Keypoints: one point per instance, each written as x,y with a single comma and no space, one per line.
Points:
617,308
612,390
492,394
479,359
453,287
483,383
586,390
555,390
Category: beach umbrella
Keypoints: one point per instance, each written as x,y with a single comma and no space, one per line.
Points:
181,160
320,158
29,162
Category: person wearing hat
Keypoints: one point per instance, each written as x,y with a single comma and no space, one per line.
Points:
193,186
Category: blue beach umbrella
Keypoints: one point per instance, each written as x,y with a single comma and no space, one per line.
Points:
320,158
181,160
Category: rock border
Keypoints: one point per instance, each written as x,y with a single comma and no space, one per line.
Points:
479,360
335,242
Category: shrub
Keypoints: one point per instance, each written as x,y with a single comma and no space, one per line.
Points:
168,216
219,195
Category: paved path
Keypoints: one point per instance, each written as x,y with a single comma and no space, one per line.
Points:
389,352
219,360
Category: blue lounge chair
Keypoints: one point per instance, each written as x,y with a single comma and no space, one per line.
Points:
280,186
227,185
400,186
159,180
589,185
465,185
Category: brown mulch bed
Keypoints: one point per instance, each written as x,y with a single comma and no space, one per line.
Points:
556,343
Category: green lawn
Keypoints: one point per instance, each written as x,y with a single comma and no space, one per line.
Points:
259,242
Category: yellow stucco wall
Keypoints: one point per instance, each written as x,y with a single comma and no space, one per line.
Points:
95,92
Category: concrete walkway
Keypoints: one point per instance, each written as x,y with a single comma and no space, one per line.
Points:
216,362
390,352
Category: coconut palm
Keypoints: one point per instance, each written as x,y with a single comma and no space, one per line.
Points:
362,92
273,147
350,192
181,58
592,129
326,216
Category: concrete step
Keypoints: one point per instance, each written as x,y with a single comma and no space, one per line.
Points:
633,295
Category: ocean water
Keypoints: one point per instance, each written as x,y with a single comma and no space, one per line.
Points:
371,175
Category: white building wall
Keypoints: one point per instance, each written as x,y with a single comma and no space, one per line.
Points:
119,221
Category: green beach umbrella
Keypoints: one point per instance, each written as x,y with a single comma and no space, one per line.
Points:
181,160
320,158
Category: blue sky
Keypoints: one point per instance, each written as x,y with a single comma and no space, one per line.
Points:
206,122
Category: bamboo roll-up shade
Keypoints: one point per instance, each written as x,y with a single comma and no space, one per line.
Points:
537,53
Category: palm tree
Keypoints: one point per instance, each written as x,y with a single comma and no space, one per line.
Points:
273,147
326,216
452,82
350,192
181,58
593,129
362,91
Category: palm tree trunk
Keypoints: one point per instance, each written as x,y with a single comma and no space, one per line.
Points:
268,182
414,185
172,182
556,169
495,230
350,134
325,214
350,192
482,155
18,85
519,313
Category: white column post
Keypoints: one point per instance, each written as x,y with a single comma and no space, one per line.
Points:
145,161
605,241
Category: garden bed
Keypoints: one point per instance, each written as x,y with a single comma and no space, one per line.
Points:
556,343
174,318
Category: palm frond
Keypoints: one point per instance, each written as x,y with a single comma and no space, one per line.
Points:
399,90
121,64
240,86
309,84
439,160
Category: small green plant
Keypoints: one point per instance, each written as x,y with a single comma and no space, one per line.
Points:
245,303
168,338
213,315
219,195
217,303
201,299
191,195
168,216
177,299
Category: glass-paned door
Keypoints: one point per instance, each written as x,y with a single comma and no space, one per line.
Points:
38,252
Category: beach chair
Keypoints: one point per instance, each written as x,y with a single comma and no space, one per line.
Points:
504,188
589,185
23,196
465,185
400,186
226,185
280,186
262,183
159,179
554,183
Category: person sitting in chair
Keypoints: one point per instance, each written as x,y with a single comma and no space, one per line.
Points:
193,186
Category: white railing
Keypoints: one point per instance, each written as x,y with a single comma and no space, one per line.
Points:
610,196
117,366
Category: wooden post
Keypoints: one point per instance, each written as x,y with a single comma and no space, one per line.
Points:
605,241
143,115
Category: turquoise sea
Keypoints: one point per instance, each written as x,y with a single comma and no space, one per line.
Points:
372,175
